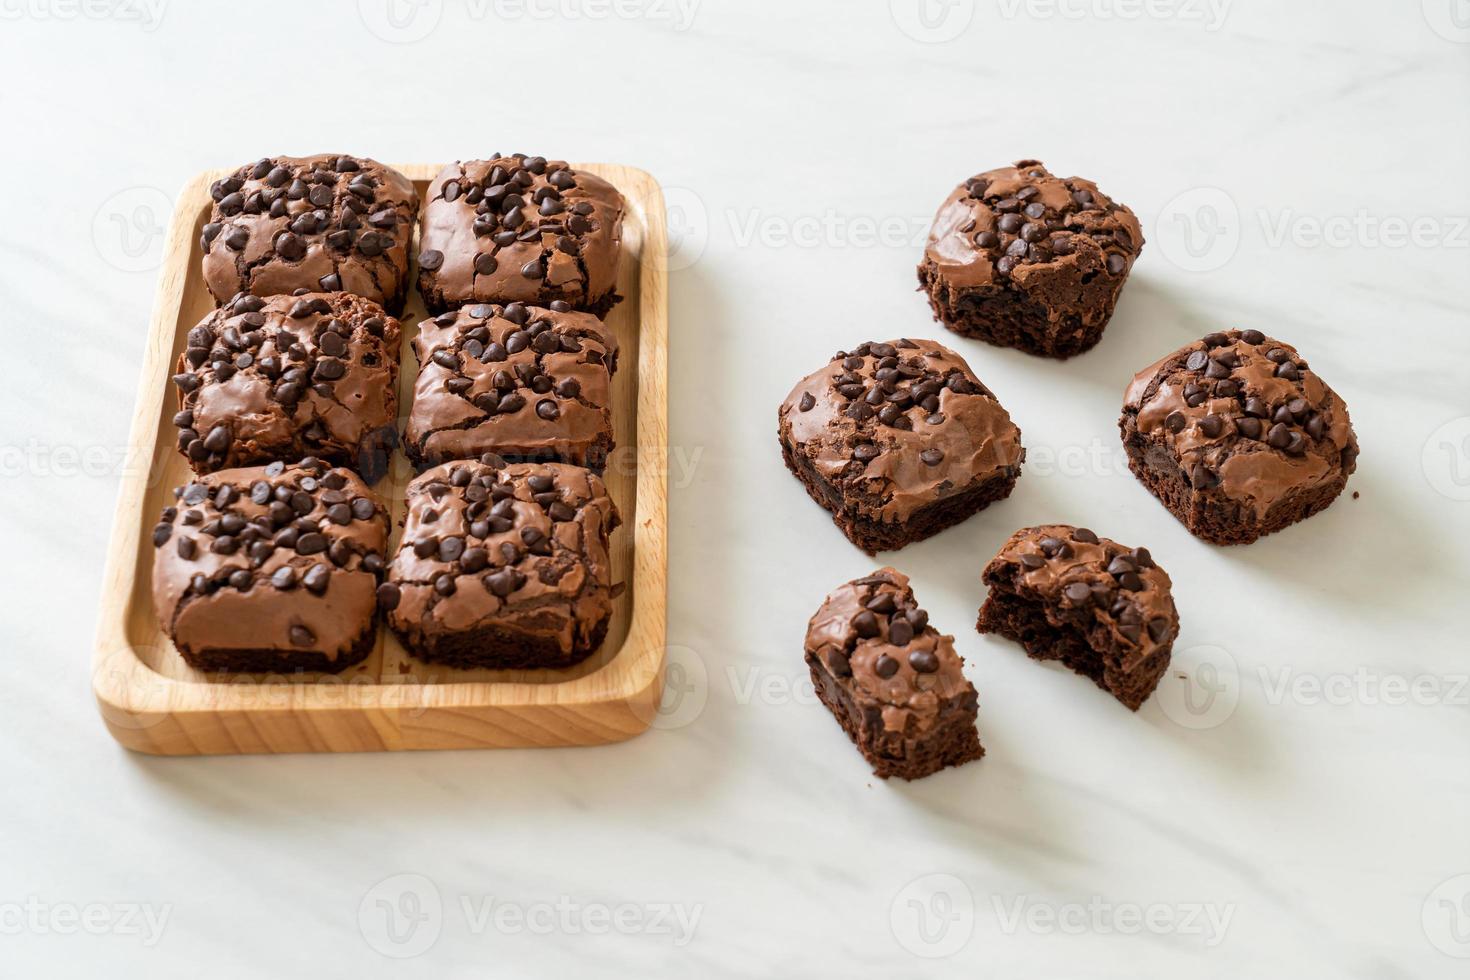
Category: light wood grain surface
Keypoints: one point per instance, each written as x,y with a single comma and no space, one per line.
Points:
153,702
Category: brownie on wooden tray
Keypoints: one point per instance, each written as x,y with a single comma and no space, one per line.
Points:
520,229
1020,258
1237,436
323,223
1101,608
523,382
899,441
270,568
891,680
282,377
503,565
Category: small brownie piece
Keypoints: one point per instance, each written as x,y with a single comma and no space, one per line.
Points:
899,440
891,681
1237,436
1102,609
503,565
1020,258
282,377
520,229
520,381
324,223
270,568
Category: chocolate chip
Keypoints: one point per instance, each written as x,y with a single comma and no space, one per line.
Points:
1085,535
900,632
317,578
284,578
839,664
931,457
885,667
389,596
302,637
865,624
431,259
923,661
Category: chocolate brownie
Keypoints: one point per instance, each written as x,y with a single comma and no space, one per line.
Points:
1020,258
1101,608
1237,436
282,377
270,568
520,229
503,565
324,223
520,381
891,680
899,440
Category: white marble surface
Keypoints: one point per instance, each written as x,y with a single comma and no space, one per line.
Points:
1312,820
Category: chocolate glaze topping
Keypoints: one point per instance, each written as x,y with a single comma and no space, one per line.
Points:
320,223
901,424
519,544
1244,416
283,557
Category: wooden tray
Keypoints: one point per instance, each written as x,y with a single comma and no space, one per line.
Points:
153,702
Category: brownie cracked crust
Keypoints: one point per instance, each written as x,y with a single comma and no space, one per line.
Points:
520,229
523,382
282,377
270,568
899,440
891,680
503,565
324,223
1103,609
1020,258
1237,436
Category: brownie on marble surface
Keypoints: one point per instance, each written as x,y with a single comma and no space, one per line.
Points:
324,223
270,568
520,229
1020,258
891,680
899,440
282,377
503,565
1237,436
1103,609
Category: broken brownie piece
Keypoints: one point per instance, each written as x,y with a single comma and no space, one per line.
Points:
899,441
1101,608
1020,258
891,680
1237,436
